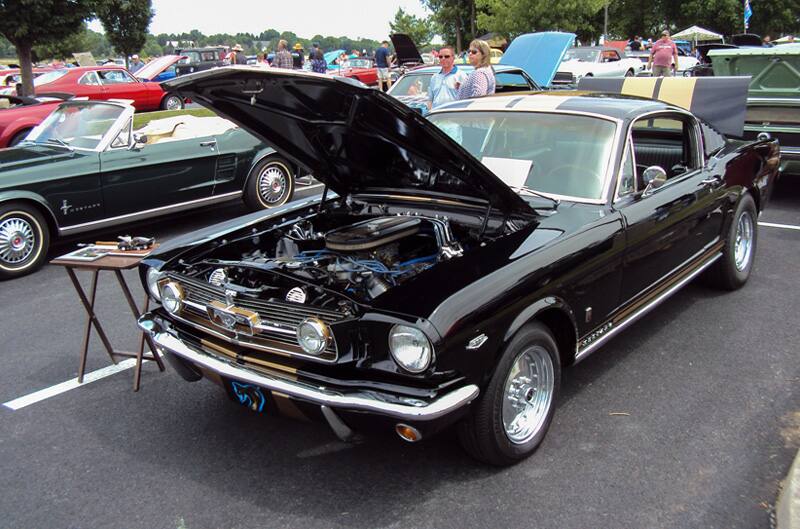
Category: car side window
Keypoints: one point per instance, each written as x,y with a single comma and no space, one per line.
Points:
109,77
668,141
610,56
510,81
123,139
713,141
208,56
627,176
89,78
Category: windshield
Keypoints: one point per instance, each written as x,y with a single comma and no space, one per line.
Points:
49,77
411,85
560,155
360,63
77,125
578,54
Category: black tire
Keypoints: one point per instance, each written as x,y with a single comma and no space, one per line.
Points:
732,270
483,433
172,102
269,184
24,240
630,73
18,137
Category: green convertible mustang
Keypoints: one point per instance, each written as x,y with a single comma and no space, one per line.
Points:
85,168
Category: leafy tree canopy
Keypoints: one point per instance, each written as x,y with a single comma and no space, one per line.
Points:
126,23
419,29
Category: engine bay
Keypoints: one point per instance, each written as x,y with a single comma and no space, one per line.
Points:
328,263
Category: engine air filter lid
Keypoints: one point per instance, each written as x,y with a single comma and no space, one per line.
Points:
371,233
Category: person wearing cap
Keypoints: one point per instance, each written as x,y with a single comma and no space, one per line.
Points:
663,56
317,59
298,57
283,58
238,57
135,64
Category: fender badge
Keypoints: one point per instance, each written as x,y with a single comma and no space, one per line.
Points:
477,342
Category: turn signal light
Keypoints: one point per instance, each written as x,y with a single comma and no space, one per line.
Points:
408,433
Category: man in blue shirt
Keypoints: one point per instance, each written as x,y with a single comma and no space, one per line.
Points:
444,84
382,63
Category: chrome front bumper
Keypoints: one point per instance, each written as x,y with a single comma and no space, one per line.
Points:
405,409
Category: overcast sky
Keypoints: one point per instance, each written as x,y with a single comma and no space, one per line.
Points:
306,18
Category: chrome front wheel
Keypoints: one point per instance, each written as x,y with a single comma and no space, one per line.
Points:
528,394
23,240
512,416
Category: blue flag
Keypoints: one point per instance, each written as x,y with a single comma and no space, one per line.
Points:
748,12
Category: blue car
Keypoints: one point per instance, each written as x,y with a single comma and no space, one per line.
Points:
412,88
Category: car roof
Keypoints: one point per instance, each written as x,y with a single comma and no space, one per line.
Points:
613,106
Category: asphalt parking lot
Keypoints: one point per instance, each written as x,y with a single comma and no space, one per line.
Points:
688,419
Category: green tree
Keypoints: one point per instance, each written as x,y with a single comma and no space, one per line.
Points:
525,16
28,23
419,29
126,23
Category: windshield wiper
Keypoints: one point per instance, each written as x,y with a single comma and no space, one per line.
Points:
524,189
59,141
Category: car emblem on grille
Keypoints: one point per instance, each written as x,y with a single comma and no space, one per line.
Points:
296,295
218,277
235,319
229,295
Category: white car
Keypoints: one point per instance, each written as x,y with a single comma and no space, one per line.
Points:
595,62
685,62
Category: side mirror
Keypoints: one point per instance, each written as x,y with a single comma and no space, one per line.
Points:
653,178
139,141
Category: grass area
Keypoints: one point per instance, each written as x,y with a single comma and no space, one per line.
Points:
140,119
10,60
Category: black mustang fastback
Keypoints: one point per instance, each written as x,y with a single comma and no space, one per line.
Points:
453,265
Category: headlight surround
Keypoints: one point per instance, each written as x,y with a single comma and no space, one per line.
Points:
410,348
152,277
313,335
172,297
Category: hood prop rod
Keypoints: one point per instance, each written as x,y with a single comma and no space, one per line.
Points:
485,222
324,196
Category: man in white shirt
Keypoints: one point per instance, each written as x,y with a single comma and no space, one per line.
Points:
445,83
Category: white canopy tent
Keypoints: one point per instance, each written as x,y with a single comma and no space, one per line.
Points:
697,34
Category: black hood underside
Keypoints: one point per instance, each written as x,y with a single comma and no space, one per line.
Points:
357,140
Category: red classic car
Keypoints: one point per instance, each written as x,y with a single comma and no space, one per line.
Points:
18,115
359,68
109,82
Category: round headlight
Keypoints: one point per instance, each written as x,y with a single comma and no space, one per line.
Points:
410,348
313,335
152,277
172,297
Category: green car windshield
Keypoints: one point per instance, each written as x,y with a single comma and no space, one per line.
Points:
560,155
77,125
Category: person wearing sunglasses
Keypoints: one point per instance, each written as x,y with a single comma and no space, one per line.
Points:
480,81
445,83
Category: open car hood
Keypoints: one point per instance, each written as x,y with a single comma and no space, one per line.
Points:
154,68
405,49
353,138
539,54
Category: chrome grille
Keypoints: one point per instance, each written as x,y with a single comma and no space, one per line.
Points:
281,318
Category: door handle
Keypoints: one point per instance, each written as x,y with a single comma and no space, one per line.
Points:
208,143
712,181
